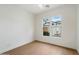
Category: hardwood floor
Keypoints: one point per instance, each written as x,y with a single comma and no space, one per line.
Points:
40,48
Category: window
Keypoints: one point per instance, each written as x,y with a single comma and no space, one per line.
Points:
46,24
52,25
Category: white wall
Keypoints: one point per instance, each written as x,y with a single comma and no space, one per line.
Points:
78,28
68,39
16,27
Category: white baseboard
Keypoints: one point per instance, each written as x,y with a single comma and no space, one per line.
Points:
15,46
56,44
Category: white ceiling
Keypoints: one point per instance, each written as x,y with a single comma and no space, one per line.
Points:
34,8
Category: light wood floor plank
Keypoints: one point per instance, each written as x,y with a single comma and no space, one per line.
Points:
40,48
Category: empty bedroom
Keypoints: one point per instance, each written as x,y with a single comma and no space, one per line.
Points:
39,29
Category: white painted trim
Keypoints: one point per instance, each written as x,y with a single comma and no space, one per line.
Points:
15,46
